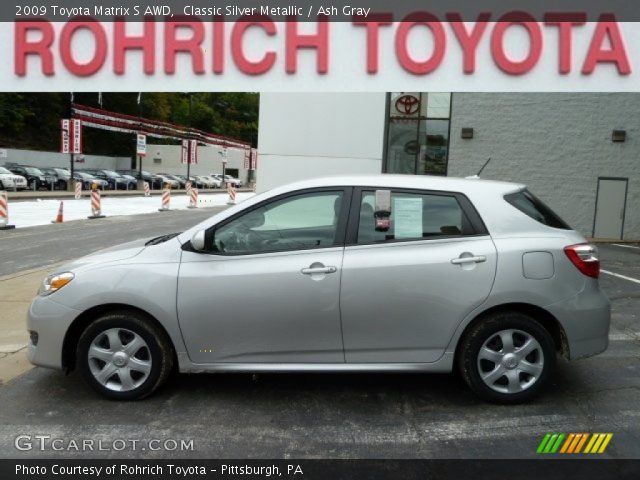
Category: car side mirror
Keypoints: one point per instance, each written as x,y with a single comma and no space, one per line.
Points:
198,241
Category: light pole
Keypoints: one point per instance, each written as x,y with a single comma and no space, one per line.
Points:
140,129
223,155
190,126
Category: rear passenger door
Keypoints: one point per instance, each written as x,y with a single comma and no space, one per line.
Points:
405,290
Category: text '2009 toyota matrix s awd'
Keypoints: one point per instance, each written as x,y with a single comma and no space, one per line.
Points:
350,274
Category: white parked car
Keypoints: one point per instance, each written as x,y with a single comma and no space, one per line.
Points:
209,182
11,181
228,179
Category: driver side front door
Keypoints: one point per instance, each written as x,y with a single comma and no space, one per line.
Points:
268,289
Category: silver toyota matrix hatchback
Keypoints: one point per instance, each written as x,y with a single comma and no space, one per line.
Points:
379,273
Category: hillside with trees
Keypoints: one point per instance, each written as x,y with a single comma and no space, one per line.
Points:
32,120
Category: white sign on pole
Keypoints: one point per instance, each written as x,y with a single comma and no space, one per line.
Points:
193,152
254,159
76,137
141,145
65,137
247,159
184,154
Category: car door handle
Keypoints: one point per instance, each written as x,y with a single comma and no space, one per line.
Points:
463,260
317,270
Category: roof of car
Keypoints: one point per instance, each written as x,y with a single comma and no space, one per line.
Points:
426,182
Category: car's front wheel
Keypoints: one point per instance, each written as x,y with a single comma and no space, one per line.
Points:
507,357
124,355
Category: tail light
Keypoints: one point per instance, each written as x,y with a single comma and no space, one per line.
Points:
585,258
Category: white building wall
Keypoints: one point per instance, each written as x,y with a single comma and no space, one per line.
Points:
167,159
306,135
37,158
558,144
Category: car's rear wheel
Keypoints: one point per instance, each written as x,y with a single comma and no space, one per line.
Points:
507,357
125,356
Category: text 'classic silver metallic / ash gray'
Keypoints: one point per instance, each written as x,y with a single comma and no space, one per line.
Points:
367,273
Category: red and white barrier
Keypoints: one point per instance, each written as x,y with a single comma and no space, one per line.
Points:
193,198
231,190
78,190
188,187
4,212
147,190
166,200
96,203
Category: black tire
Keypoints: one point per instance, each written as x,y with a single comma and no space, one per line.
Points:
488,328
33,184
160,351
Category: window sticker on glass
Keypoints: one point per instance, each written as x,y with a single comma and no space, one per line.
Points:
407,217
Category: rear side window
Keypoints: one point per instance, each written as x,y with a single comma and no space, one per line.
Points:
530,205
413,217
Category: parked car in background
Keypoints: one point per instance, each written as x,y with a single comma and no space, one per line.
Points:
115,180
132,181
181,181
194,181
88,180
391,273
154,181
36,178
61,176
209,182
228,179
168,180
11,181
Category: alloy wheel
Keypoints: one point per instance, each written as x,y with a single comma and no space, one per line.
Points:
510,361
119,359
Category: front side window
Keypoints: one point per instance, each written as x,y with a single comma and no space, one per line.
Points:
414,216
299,222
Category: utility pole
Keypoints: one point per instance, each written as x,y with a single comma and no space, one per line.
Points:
70,182
136,137
190,126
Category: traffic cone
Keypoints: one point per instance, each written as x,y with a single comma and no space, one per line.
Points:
60,216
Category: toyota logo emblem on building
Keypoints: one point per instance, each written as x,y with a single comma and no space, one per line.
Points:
407,104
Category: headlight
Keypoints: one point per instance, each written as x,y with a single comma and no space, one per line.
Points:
54,283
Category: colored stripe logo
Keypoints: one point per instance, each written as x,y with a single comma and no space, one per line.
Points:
574,443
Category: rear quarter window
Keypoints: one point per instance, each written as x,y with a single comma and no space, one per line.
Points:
533,207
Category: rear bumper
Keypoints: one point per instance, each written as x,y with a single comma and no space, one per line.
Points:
585,319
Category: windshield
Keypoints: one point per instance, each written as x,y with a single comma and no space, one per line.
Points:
33,171
5,171
62,171
84,175
111,174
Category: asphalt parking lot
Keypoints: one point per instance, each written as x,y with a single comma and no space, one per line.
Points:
318,415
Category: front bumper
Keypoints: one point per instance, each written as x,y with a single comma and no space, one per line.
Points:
585,319
50,321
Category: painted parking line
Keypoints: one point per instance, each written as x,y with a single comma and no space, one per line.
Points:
624,277
625,246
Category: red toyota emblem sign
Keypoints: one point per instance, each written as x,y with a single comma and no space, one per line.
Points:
407,104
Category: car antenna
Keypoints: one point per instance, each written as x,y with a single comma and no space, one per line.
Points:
485,164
